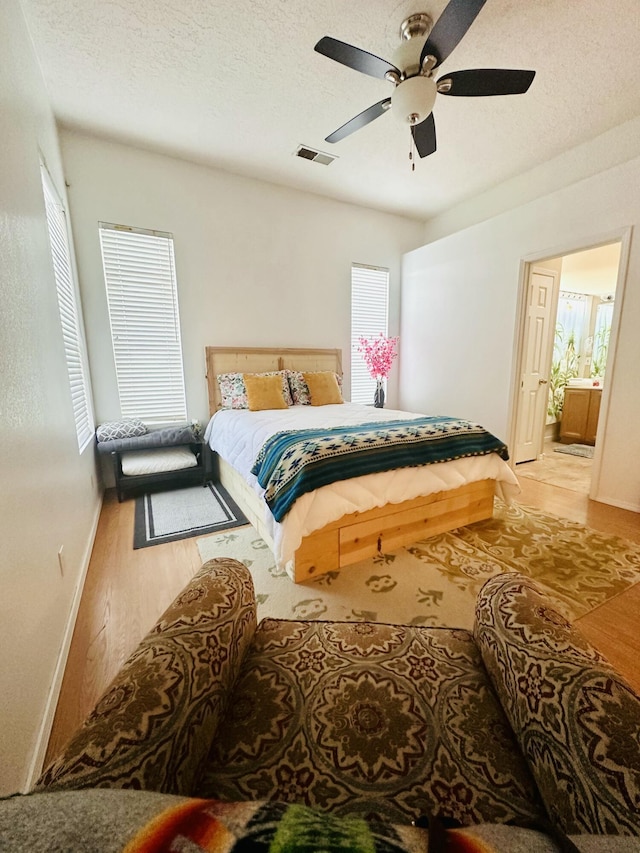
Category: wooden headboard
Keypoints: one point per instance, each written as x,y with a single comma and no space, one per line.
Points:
262,360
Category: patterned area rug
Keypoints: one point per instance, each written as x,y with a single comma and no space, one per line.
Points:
181,513
436,581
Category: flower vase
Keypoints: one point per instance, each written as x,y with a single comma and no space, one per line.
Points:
378,400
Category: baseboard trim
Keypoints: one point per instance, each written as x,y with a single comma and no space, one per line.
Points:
619,504
44,732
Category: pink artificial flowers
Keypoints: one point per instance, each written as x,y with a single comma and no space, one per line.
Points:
379,353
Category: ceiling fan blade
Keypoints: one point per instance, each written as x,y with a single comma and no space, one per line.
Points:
480,82
354,57
450,28
373,112
424,136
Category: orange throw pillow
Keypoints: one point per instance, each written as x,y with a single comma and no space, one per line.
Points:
323,388
264,392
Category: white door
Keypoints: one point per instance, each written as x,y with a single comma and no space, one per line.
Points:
536,363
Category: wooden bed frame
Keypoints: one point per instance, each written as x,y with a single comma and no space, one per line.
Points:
359,535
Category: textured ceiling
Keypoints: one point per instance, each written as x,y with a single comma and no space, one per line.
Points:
238,85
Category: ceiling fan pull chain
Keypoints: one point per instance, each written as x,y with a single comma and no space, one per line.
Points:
412,146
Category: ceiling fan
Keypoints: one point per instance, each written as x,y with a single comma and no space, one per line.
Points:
424,47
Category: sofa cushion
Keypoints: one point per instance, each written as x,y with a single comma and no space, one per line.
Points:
154,724
577,721
370,719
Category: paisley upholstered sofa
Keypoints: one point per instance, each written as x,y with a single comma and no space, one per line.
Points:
520,732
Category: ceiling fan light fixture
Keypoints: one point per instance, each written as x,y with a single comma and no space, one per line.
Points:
413,99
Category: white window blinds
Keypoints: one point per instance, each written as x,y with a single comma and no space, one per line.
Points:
70,314
139,272
369,317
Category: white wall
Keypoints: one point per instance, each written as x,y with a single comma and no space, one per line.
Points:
615,146
257,264
459,311
48,497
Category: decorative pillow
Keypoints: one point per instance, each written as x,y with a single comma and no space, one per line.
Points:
577,721
299,388
233,392
105,821
271,826
323,388
264,392
120,429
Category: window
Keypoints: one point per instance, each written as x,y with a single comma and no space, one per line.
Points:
139,272
369,317
70,314
601,336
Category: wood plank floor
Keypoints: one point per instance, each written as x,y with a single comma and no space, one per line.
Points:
124,594
126,591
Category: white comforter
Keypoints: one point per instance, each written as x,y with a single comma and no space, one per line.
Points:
238,434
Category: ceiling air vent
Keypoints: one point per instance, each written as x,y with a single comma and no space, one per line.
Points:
311,154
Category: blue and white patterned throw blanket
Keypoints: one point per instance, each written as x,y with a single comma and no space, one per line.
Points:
293,462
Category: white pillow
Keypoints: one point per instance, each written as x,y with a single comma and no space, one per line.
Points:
136,462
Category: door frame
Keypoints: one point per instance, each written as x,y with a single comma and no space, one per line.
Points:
622,236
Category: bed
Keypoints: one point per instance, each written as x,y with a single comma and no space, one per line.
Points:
342,523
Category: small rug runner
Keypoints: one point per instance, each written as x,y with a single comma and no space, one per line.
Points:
436,581
181,513
576,450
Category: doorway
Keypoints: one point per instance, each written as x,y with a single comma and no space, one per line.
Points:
567,319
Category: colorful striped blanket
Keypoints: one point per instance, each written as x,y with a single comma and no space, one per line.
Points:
294,462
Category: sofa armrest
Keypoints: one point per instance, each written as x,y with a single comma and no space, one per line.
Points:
153,726
576,720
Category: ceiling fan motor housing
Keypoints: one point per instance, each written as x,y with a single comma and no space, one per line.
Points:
406,56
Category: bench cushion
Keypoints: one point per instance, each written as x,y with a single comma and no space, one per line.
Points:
370,719
138,462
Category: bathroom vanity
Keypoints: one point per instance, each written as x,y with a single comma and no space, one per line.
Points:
580,415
